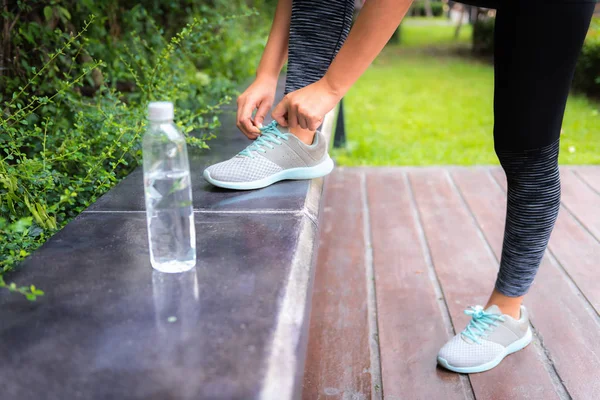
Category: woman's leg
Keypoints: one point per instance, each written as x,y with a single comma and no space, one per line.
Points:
317,31
536,49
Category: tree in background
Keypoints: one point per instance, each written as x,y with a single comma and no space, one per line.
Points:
428,10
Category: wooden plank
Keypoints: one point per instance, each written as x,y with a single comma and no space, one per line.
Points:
492,209
581,200
338,357
570,332
498,174
463,261
578,252
590,175
411,324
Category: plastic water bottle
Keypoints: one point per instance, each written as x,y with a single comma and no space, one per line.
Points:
168,193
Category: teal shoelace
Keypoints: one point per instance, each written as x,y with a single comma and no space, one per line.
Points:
481,323
269,134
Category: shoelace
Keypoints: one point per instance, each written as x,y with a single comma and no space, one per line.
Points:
481,323
269,134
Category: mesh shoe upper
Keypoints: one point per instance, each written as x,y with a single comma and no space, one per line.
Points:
460,353
275,150
243,169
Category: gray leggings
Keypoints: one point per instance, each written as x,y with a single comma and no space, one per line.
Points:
536,47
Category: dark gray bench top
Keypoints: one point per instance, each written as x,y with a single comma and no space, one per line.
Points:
109,327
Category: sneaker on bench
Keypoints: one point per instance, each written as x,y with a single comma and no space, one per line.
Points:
275,156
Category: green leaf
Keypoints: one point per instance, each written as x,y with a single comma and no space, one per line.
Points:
35,231
21,225
48,13
65,13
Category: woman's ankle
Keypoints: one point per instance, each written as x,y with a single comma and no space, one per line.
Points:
508,305
306,136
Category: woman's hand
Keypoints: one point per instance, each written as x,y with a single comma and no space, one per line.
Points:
306,107
259,96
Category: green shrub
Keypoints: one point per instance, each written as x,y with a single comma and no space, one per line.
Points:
418,8
74,94
587,73
483,36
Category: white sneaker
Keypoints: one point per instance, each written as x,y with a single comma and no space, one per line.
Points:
487,339
275,156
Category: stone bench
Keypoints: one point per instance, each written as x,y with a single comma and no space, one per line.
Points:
109,327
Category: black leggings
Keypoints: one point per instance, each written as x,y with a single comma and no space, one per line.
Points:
536,47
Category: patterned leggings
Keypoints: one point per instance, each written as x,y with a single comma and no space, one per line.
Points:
536,47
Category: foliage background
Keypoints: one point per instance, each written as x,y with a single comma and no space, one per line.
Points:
587,74
75,79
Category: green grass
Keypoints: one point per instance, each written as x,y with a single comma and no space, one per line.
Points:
418,107
431,32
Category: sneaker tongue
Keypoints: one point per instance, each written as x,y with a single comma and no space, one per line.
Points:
283,129
494,309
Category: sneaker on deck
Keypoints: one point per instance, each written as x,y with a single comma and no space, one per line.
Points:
487,339
275,156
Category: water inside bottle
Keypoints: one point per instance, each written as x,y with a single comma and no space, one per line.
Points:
170,218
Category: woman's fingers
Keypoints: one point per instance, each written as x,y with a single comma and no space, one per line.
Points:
304,108
302,121
244,118
286,113
292,117
261,113
314,123
239,122
280,112
248,127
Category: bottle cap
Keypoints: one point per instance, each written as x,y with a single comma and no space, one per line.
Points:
160,111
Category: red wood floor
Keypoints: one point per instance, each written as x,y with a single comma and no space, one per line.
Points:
403,251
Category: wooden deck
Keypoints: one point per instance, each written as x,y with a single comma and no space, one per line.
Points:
404,251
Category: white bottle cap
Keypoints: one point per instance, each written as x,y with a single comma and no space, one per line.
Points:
160,111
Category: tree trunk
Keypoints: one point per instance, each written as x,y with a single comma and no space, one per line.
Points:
428,10
465,11
4,50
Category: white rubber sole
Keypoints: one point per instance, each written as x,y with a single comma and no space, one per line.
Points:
512,348
318,171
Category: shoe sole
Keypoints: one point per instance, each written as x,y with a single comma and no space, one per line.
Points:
512,348
317,171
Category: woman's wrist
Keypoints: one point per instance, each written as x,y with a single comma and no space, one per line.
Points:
267,77
332,86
